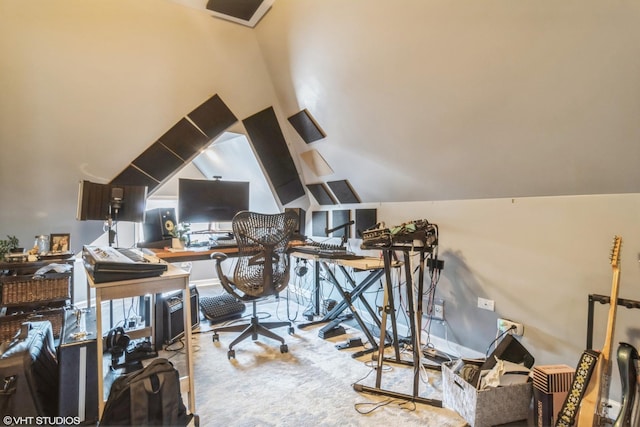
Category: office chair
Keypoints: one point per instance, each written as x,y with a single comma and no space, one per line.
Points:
261,270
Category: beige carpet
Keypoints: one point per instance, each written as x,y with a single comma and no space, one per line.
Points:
311,385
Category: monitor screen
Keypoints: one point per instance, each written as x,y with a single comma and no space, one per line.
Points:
201,201
121,202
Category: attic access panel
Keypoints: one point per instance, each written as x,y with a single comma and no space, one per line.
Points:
245,12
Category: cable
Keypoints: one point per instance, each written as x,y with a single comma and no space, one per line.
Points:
486,354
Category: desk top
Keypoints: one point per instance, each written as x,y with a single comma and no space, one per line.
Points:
198,254
195,254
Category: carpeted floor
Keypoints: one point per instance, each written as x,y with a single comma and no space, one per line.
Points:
311,385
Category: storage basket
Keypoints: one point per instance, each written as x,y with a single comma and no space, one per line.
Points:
10,324
17,290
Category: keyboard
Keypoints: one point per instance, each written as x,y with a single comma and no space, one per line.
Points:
327,252
109,264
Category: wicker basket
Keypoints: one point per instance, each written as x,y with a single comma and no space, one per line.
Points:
17,290
10,324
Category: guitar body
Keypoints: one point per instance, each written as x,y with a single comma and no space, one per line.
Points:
627,356
592,405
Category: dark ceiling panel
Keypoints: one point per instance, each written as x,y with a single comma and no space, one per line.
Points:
343,191
184,139
306,126
290,191
158,162
321,194
213,117
268,141
133,176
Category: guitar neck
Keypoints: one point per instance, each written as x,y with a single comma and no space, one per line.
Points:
611,322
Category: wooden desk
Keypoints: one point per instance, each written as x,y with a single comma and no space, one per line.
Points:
173,279
195,254
200,254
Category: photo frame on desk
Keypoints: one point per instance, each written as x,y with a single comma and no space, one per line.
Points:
60,242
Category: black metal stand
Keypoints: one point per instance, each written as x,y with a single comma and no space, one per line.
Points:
603,299
335,316
415,314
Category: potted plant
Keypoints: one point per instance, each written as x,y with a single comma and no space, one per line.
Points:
9,245
180,235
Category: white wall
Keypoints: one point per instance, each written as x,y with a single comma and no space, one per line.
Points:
538,258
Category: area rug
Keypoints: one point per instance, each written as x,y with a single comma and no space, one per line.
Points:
310,385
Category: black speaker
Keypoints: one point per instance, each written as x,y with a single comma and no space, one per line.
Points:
301,219
158,224
77,368
169,315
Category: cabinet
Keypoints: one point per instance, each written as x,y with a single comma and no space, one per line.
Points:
26,296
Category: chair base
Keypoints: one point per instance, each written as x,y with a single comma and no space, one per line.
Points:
253,330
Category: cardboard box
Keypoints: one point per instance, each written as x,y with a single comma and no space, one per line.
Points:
551,384
485,408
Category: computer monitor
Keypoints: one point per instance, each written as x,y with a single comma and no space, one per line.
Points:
206,201
119,202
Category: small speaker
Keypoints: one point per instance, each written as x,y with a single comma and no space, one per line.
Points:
159,223
170,317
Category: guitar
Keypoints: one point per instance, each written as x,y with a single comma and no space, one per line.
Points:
592,405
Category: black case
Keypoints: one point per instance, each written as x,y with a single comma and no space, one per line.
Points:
78,368
29,373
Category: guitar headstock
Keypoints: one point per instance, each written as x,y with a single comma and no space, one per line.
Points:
615,251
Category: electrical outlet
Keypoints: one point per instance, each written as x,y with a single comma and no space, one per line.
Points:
486,304
438,310
514,328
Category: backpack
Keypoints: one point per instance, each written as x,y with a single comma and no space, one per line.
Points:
149,396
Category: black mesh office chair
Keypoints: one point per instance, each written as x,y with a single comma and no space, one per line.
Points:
261,270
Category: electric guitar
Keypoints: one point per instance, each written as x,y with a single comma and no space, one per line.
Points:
592,405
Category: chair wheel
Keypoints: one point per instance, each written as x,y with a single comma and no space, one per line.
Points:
284,348
215,337
291,330
231,354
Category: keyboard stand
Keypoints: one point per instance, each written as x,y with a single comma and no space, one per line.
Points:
349,296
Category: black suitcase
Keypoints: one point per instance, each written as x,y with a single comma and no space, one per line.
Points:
29,373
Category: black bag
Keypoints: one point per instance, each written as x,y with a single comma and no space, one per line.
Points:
150,396
29,373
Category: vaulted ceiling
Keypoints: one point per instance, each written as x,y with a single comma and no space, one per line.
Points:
416,99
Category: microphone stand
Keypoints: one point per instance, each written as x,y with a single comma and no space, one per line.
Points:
344,236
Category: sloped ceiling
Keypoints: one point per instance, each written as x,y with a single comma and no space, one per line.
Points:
430,100
418,99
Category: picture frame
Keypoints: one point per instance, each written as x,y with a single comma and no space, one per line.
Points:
60,242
